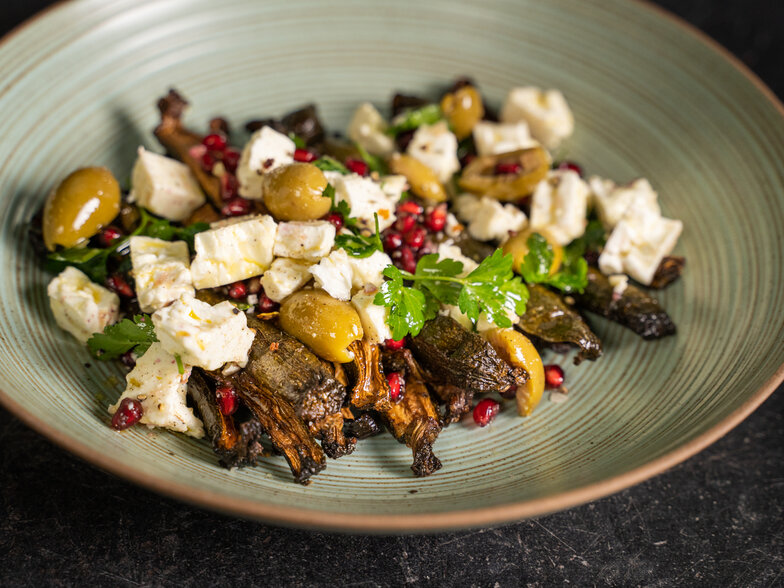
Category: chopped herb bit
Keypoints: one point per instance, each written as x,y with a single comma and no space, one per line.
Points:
341,208
137,335
357,245
299,142
535,269
240,305
328,163
180,367
374,163
413,119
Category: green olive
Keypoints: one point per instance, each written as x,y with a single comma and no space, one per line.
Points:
83,203
423,180
479,177
295,192
326,325
517,245
463,109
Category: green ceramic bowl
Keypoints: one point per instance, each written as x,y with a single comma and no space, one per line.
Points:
651,98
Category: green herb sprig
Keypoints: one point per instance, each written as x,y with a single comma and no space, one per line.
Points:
572,276
329,163
415,118
137,335
357,245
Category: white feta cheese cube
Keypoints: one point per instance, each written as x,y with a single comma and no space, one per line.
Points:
309,240
453,226
393,186
234,252
482,325
266,150
547,114
619,283
164,186
611,201
373,317
284,277
492,138
334,275
80,306
487,219
364,197
368,270
161,270
367,129
436,146
203,335
161,389
559,205
639,242
448,250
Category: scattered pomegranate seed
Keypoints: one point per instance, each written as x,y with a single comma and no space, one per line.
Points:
392,241
427,247
485,411
119,284
553,375
396,383
436,218
228,402
208,161
405,223
128,359
236,207
415,237
266,304
214,142
109,235
572,166
508,168
238,290
357,166
304,155
407,259
336,219
229,186
231,157
410,207
394,344
128,414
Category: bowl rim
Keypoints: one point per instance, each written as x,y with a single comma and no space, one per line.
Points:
427,522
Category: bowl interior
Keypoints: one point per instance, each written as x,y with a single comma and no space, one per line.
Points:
649,100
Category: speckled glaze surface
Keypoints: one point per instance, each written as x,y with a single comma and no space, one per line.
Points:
650,99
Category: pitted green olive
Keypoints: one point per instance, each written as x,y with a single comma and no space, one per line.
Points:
423,180
295,192
326,325
83,203
463,109
479,177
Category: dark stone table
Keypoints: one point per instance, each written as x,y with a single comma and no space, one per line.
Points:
715,520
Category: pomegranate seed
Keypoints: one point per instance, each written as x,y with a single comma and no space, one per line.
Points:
304,155
436,219
396,384
214,142
405,223
392,241
238,290
128,414
336,219
394,344
236,207
415,237
357,166
231,157
508,168
208,161
228,402
266,304
485,411
410,207
229,186
109,235
572,166
407,259
427,247
128,359
120,285
553,375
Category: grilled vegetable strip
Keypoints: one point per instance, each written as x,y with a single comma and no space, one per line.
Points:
549,319
364,426
370,389
178,141
634,308
669,270
220,428
458,401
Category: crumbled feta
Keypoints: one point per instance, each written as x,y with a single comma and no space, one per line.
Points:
393,186
436,146
619,282
448,250
284,277
364,197
639,241
334,275
309,240
80,306
161,389
611,201
492,138
487,219
559,206
547,114
482,325
164,186
373,317
367,128
161,271
368,270
453,226
266,150
203,335
234,252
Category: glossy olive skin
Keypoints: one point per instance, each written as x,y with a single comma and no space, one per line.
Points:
517,245
518,351
326,325
479,176
463,109
423,180
294,192
84,202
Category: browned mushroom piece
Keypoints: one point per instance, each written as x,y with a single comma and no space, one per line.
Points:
479,177
369,387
